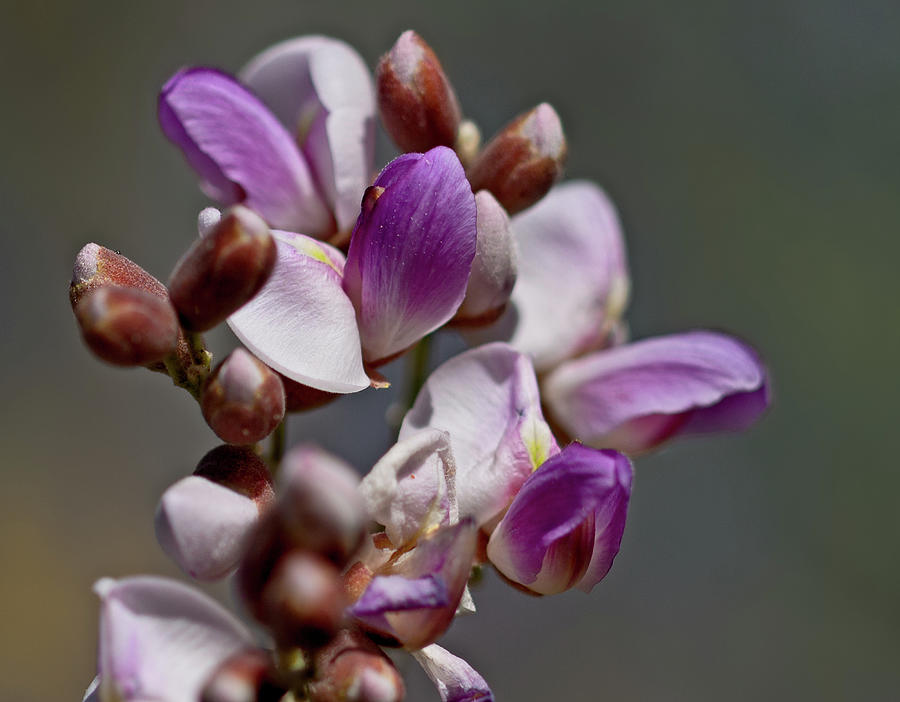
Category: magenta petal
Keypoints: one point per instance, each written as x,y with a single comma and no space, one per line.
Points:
573,279
161,640
321,90
411,251
564,527
301,323
487,400
456,680
241,152
633,397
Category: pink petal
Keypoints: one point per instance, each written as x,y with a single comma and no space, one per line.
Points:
301,323
487,400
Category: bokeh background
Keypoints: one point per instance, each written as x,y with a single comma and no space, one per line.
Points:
752,148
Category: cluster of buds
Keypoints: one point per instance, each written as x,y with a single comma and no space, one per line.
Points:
514,454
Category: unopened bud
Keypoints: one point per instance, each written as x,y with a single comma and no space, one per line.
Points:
223,270
203,521
303,601
320,503
266,545
243,399
521,163
418,106
97,266
247,676
353,669
127,326
494,267
299,397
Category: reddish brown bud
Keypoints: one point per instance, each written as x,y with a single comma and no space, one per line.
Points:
223,270
97,266
265,548
238,468
299,397
247,676
320,503
243,399
521,163
127,326
417,104
353,669
303,601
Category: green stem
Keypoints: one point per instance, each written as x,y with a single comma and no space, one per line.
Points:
418,369
276,448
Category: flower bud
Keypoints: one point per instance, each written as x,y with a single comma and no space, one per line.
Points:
353,669
418,106
521,163
320,503
243,399
266,545
494,267
223,270
248,676
127,326
303,600
97,266
203,521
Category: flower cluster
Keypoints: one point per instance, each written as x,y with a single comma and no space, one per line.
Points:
514,453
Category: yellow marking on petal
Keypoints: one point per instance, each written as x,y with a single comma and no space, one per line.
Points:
535,436
310,248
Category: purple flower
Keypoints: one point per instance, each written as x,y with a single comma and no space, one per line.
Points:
564,527
160,640
634,397
566,313
298,149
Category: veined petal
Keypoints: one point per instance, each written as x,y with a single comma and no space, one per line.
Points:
321,90
564,527
487,400
412,488
161,640
301,323
633,397
411,251
455,679
240,150
573,279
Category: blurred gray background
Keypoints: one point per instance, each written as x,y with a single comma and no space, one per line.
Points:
752,148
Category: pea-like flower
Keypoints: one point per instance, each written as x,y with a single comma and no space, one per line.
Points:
295,145
566,313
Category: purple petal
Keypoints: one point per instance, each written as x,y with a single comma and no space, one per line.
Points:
635,396
412,488
455,679
301,323
321,89
241,152
564,527
394,593
161,640
446,556
487,400
573,278
204,527
411,251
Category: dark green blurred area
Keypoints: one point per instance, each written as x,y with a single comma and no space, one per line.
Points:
752,148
